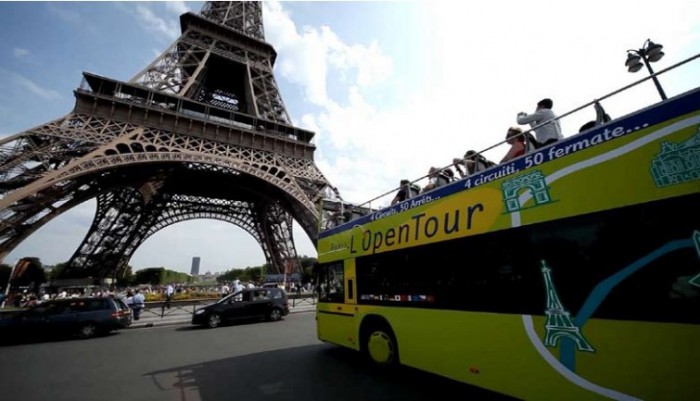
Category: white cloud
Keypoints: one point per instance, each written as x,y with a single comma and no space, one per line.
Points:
482,68
307,55
371,64
168,29
64,14
177,7
20,53
348,124
35,88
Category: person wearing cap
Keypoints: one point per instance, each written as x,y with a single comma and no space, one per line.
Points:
547,133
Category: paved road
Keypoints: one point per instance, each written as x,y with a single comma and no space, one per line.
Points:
252,361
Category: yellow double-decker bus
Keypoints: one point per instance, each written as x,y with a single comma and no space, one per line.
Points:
569,273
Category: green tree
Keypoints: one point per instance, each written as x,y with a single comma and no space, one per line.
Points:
159,276
124,276
58,271
231,275
257,274
150,275
307,264
253,274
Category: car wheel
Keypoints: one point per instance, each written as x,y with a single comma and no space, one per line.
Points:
87,330
214,320
275,315
380,346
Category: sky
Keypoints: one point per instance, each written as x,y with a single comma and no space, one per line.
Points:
389,88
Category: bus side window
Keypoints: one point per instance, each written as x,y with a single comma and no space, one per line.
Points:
336,283
331,282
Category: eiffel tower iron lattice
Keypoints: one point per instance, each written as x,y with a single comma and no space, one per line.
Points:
201,132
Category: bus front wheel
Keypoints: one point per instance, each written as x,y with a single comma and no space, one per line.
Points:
380,346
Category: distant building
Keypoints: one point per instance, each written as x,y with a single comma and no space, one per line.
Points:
195,266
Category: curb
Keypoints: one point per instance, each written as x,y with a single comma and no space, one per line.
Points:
180,322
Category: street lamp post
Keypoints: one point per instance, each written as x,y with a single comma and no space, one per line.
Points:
649,53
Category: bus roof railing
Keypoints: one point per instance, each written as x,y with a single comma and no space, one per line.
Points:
368,204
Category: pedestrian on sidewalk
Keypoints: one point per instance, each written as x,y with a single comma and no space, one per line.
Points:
137,304
169,291
224,290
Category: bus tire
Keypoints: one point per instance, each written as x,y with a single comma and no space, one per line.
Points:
379,345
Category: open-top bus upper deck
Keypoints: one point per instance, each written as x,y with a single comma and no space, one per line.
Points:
648,155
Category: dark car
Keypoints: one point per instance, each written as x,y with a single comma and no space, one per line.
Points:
268,303
82,317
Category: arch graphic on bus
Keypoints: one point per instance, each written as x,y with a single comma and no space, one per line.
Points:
535,181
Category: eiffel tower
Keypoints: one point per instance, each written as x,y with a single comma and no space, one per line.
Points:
201,132
559,323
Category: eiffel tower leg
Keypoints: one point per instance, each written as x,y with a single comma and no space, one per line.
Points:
277,231
16,233
72,149
37,156
116,218
25,158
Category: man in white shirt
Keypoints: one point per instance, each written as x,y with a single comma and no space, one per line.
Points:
237,287
169,291
548,133
137,304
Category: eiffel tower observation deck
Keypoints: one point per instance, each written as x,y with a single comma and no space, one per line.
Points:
201,132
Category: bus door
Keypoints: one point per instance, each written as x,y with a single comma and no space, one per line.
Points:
337,299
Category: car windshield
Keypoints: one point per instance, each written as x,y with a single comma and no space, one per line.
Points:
42,309
121,304
236,297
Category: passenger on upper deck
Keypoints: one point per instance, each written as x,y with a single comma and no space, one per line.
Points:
348,213
548,133
406,191
601,117
436,179
587,126
473,162
516,140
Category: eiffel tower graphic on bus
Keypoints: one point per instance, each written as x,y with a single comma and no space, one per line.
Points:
559,323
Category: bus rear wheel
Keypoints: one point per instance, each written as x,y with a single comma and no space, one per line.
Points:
380,346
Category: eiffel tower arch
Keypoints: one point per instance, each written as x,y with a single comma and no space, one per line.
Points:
201,132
